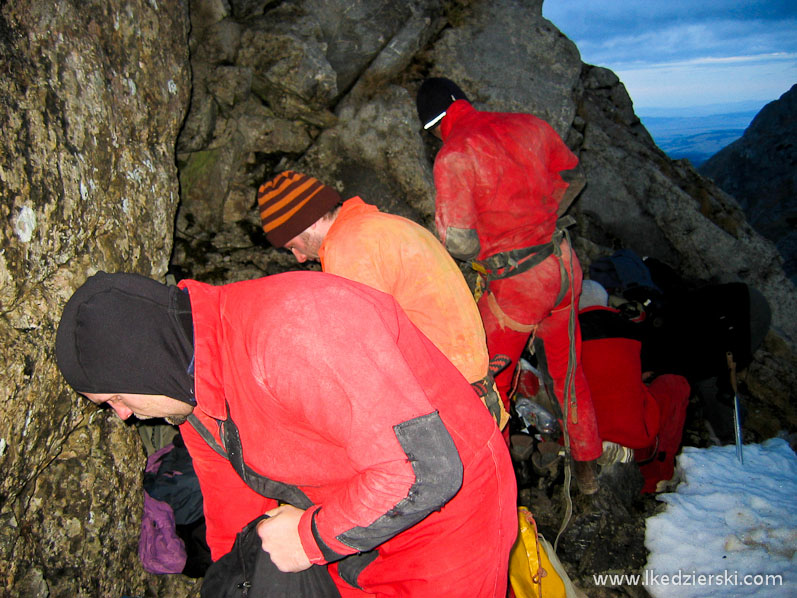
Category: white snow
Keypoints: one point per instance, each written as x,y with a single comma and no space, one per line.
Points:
728,529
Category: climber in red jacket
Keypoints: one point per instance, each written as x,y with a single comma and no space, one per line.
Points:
502,182
647,417
337,396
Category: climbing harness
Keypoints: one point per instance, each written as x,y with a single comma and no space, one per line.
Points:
518,261
488,391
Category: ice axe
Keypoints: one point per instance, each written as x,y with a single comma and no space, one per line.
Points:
737,421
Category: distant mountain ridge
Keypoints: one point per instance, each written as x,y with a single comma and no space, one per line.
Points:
743,106
760,171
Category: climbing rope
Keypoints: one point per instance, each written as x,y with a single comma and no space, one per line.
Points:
570,389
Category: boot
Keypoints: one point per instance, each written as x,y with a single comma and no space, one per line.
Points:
615,453
586,475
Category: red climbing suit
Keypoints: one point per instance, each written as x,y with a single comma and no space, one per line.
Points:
498,174
335,391
648,418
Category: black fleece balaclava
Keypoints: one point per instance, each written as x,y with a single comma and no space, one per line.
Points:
125,333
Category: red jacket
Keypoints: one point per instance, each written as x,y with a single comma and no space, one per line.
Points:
499,187
498,173
626,411
336,392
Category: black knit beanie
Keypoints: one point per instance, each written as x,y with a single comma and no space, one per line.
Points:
435,95
125,333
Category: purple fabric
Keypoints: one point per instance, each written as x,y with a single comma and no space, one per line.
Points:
160,549
154,460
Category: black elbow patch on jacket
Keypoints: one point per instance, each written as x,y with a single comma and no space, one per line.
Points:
462,243
349,566
438,477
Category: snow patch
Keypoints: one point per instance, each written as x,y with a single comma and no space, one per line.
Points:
728,529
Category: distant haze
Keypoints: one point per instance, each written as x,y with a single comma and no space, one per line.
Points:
696,137
741,107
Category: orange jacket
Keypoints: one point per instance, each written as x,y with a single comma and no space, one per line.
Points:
403,259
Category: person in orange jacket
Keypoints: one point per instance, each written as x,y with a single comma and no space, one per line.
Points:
390,253
502,180
336,396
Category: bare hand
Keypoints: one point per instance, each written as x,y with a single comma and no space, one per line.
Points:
279,535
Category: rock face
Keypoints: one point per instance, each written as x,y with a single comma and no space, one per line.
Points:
760,171
97,135
93,95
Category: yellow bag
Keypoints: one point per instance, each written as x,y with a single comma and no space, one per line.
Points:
531,573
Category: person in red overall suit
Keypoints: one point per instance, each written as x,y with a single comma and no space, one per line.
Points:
647,417
500,191
337,395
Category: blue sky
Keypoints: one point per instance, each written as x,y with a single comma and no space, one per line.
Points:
687,53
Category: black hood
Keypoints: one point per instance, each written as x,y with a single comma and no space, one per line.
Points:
125,333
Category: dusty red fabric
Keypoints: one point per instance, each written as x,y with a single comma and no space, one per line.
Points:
318,370
645,417
499,174
625,409
585,443
671,392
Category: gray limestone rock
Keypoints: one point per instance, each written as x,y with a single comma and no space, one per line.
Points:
760,171
508,58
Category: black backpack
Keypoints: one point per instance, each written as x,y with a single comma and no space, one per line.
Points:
696,331
624,274
247,570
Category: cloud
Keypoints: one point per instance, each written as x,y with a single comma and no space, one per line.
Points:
588,18
719,38
722,62
707,81
686,50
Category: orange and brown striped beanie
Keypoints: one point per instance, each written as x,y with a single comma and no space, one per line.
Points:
291,202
